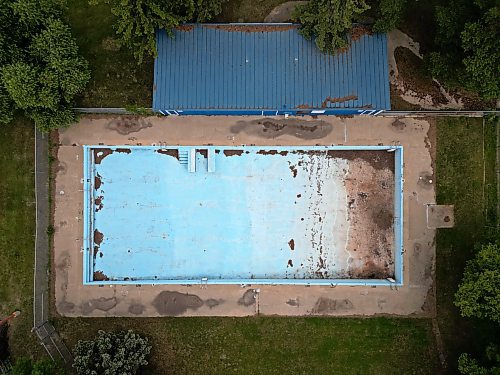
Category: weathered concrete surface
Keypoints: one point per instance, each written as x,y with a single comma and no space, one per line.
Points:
414,298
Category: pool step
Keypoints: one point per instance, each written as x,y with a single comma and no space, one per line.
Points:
184,157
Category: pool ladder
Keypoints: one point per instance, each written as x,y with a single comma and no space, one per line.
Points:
188,157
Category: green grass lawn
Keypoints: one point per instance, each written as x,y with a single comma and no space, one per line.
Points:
275,345
465,178
17,228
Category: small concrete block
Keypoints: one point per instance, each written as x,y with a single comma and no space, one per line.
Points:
440,216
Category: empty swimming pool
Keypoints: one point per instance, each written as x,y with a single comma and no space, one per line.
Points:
243,215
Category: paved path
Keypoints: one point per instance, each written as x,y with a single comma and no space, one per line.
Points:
43,329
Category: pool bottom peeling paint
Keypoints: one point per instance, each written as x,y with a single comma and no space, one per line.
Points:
233,215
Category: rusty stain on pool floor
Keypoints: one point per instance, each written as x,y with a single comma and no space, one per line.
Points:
234,213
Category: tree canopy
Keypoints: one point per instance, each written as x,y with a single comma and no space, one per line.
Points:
466,49
41,70
122,353
327,21
479,293
137,20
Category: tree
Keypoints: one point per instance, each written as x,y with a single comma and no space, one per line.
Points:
120,353
40,69
482,62
466,52
470,366
137,20
390,13
479,293
327,21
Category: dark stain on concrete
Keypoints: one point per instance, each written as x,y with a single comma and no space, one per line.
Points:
128,124
103,304
248,298
272,128
293,302
136,309
65,307
327,305
175,303
398,124
211,302
425,180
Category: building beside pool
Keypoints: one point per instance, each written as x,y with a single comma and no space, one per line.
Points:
267,69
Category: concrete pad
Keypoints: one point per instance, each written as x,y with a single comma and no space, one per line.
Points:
72,298
440,216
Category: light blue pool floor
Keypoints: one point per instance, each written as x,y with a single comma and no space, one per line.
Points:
219,214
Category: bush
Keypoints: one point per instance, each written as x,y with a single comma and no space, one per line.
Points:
122,353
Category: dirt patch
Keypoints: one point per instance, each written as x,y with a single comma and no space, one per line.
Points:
258,28
327,305
97,181
293,302
411,70
380,160
330,100
100,276
123,150
383,217
293,169
203,152
100,154
370,197
272,152
248,298
175,303
136,309
270,128
371,271
290,263
98,237
128,124
98,203
233,152
169,151
291,244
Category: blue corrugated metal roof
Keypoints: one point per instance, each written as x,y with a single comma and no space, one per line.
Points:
266,67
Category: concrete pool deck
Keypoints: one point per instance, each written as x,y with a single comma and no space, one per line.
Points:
72,298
